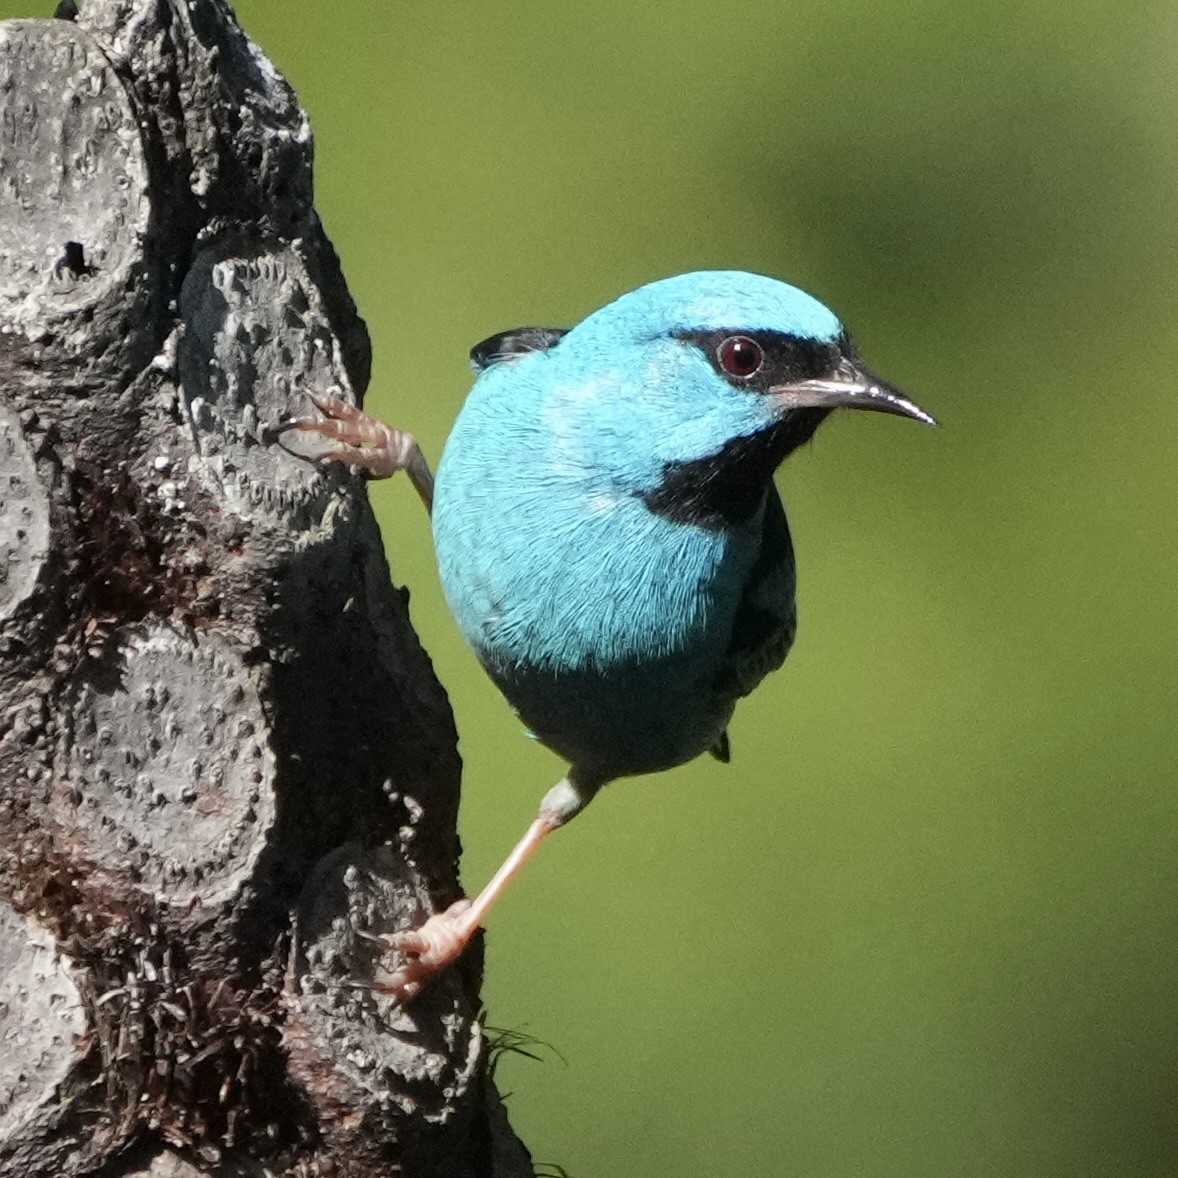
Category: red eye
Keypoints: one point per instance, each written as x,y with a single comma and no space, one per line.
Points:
740,356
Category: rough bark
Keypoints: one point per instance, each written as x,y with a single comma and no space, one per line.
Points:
224,758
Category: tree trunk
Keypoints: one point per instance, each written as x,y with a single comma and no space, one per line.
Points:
224,759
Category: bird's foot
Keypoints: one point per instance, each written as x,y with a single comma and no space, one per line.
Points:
428,950
360,440
364,442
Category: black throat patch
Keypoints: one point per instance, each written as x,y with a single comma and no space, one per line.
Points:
726,489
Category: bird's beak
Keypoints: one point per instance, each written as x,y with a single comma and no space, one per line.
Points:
850,386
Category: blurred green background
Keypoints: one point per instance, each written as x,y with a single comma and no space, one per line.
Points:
925,923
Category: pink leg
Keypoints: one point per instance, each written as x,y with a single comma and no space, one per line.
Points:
444,937
365,442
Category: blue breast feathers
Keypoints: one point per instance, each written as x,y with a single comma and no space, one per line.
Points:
549,556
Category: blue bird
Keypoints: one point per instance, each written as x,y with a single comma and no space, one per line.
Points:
609,537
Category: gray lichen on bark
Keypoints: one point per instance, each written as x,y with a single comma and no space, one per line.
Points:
225,763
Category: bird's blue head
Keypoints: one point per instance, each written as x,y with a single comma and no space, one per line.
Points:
690,391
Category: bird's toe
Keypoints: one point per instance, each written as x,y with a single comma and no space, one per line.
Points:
424,952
